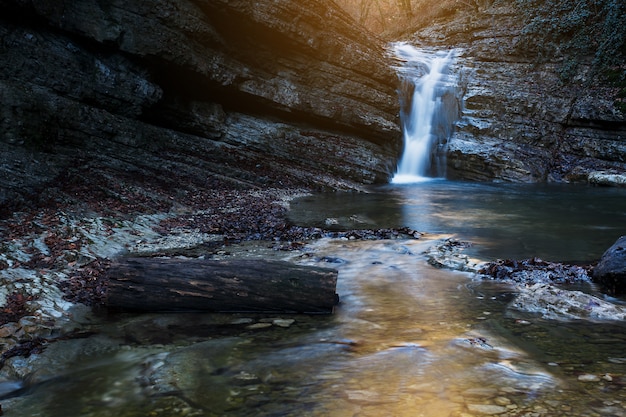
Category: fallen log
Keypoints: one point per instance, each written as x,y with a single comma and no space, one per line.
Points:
160,285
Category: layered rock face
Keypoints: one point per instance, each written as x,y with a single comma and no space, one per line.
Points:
520,121
150,101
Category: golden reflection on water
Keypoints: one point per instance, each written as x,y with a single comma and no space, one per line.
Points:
422,346
406,340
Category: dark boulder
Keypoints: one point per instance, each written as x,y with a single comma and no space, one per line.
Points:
610,272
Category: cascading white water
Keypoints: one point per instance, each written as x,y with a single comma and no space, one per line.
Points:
427,116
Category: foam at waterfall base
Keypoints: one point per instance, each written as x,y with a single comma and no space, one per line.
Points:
410,179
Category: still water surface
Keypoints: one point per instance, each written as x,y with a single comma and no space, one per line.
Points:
406,340
557,222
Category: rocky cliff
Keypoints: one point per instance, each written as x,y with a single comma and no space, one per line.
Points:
521,121
146,102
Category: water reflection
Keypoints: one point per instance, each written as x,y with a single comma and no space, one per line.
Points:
553,221
406,340
421,345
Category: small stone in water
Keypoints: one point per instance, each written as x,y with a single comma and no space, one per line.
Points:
242,321
588,378
283,322
259,326
246,376
502,401
487,409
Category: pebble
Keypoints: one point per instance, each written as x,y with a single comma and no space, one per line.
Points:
502,401
588,378
259,326
487,409
283,322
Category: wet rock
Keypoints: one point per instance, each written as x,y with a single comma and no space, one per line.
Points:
535,270
283,322
448,253
559,304
182,370
486,409
503,401
610,272
256,326
607,178
588,378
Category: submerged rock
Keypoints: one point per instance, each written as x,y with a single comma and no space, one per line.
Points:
610,272
448,253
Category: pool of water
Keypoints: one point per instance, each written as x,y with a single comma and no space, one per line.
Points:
556,222
407,339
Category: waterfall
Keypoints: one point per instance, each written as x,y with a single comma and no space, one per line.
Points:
429,109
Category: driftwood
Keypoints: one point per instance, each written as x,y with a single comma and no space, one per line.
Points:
149,284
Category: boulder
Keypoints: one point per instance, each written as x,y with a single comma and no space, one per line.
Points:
610,272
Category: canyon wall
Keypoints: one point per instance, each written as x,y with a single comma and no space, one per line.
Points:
150,101
521,120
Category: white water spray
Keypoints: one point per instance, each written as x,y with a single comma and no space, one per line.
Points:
427,116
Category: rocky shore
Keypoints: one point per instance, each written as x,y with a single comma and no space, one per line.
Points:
544,288
53,260
53,292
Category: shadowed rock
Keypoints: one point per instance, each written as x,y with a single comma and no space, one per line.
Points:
147,100
610,272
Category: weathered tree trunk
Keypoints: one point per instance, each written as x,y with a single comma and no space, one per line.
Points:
148,284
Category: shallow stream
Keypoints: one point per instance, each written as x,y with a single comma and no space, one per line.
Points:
406,340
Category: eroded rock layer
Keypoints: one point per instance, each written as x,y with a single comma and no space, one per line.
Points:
521,120
150,100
